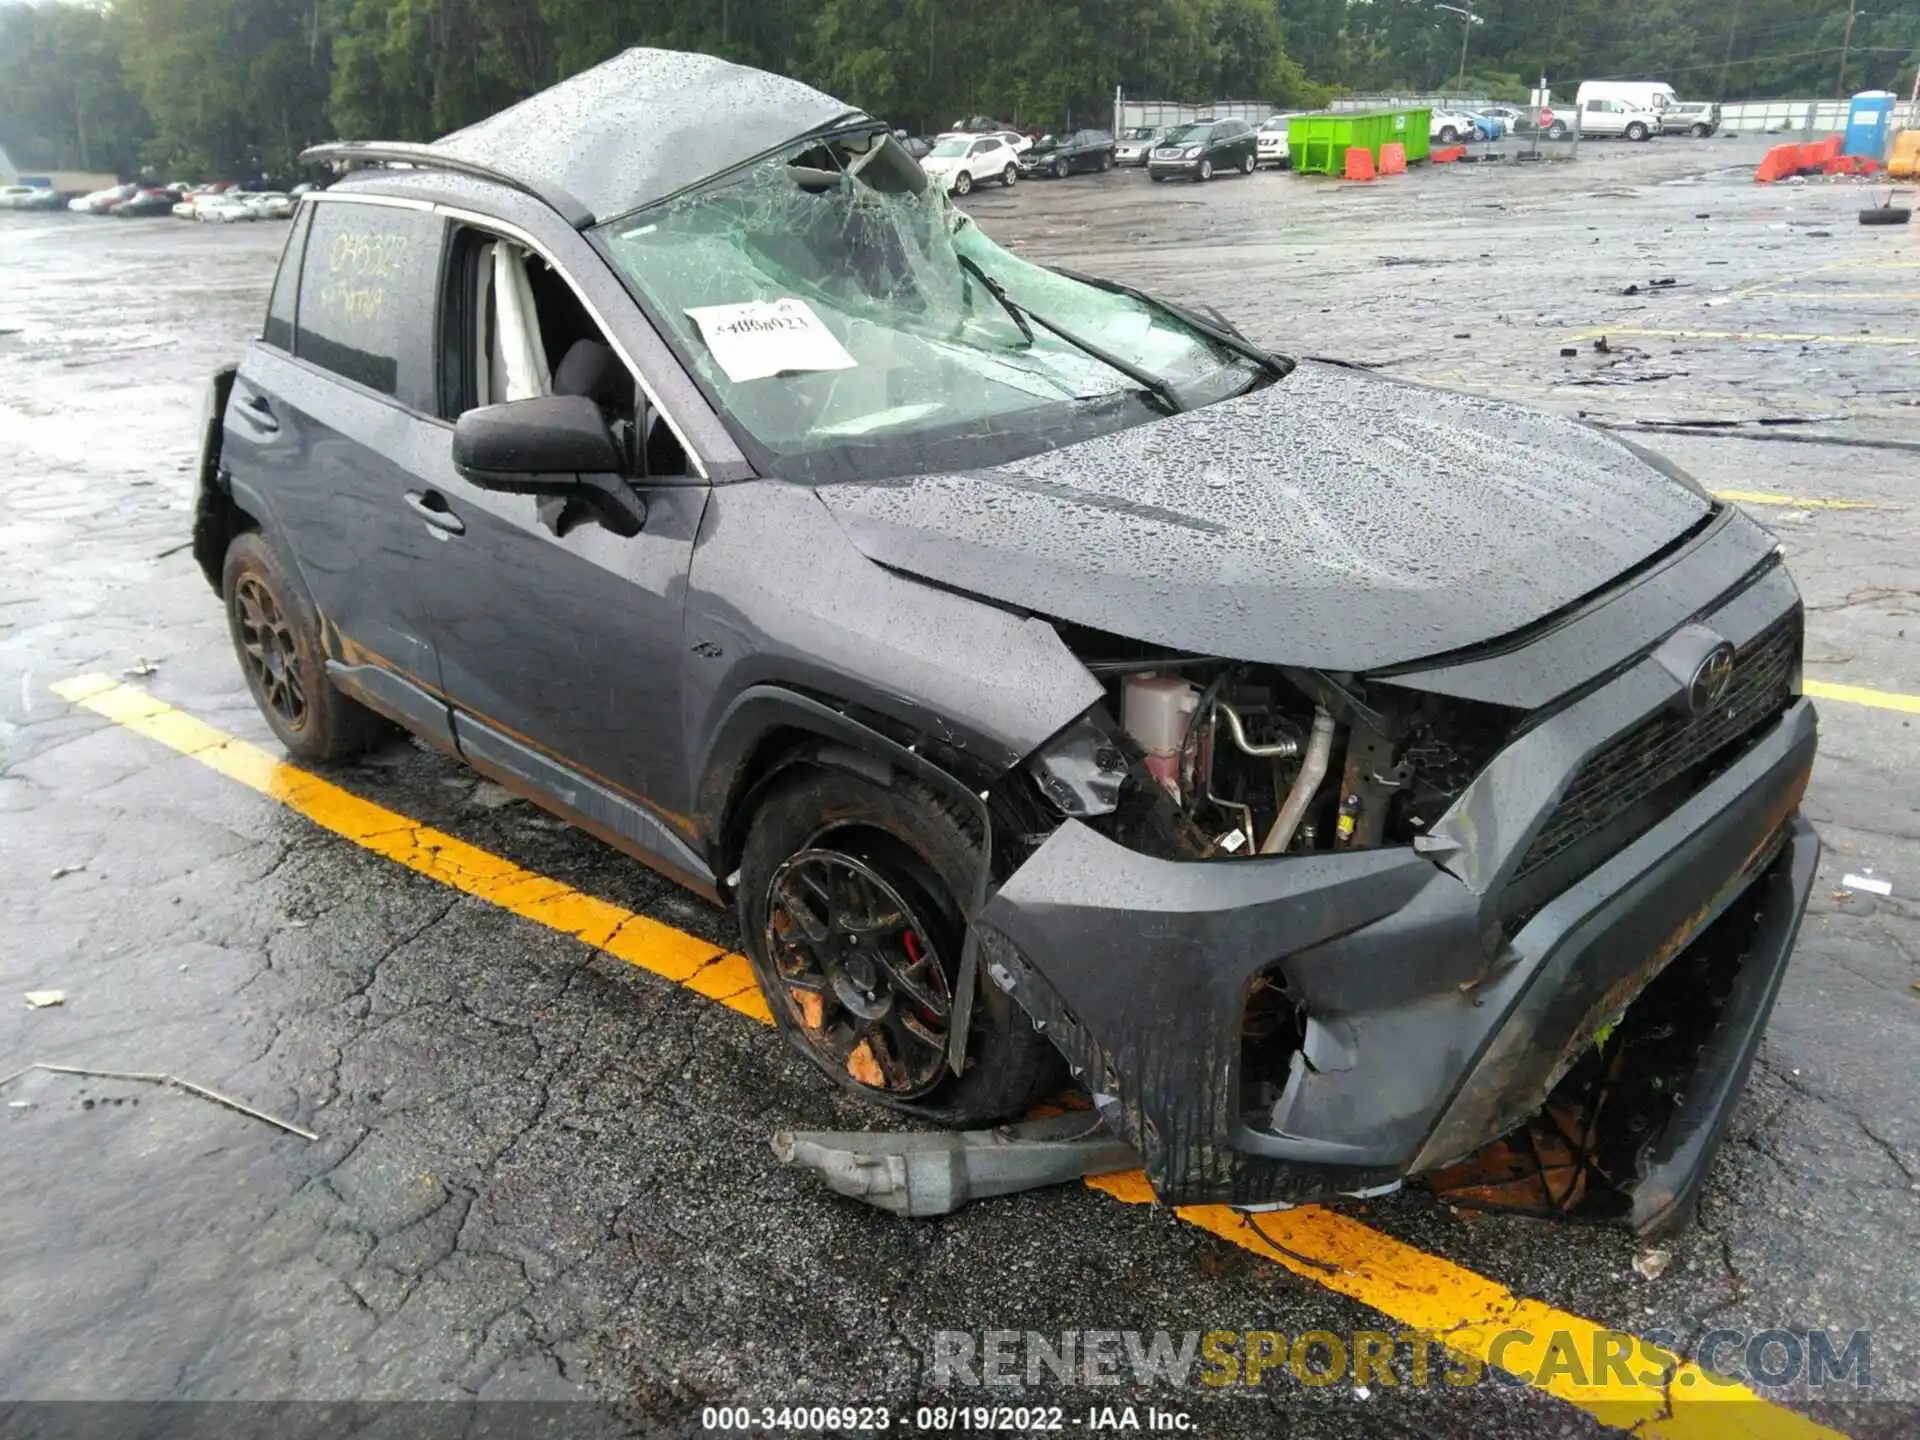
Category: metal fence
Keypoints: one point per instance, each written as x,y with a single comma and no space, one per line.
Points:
1439,100
1155,114
1783,117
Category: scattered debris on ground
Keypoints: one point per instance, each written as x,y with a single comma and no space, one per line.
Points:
145,1077
45,999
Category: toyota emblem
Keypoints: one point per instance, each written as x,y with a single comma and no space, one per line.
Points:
1710,679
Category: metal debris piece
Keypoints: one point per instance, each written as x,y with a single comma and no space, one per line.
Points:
920,1173
42,999
153,1078
141,668
1652,1264
60,871
1871,884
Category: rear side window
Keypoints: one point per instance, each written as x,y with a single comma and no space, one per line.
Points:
286,285
367,292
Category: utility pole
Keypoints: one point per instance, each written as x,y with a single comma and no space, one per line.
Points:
1846,44
1467,21
1733,29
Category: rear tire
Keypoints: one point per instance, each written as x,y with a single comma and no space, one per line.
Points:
1250,164
1886,215
1206,168
276,635
903,852
1009,175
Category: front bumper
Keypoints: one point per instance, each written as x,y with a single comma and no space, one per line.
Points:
1156,166
1429,1023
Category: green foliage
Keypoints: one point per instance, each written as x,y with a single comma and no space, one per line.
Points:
238,87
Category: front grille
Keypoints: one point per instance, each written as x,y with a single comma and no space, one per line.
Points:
1666,746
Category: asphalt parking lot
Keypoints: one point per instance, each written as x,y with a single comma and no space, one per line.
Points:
541,1169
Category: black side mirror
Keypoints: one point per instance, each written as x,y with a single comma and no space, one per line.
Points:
549,445
535,446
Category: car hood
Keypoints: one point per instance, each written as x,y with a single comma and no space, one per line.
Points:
1334,519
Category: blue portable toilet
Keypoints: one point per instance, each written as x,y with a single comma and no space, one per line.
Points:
1869,124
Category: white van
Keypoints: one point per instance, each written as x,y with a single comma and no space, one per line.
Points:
1642,95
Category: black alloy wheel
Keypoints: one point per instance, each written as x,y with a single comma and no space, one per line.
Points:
268,652
859,968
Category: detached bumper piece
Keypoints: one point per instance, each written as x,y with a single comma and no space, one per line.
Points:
935,1173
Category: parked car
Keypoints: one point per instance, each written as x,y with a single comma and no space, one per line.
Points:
101,201
918,146
230,207
1448,127
1064,155
30,197
1519,120
959,162
146,202
1604,117
1046,675
1270,143
1487,125
1698,118
1133,144
1204,149
269,204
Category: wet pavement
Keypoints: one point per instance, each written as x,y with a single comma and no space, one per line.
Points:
542,1172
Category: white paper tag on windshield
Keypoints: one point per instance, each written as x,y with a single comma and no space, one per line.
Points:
765,337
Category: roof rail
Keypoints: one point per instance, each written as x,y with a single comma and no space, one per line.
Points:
356,154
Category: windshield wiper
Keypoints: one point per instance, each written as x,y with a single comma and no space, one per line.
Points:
1279,366
1156,386
998,292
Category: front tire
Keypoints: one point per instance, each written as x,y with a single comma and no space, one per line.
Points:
1060,169
1448,134
1557,130
962,183
1206,168
1637,131
850,911
276,635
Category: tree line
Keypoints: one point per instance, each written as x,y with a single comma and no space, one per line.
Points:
236,88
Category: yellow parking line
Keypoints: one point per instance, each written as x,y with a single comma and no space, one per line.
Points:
1860,695
1651,1392
1795,502
1843,294
667,952
1807,338
1469,1314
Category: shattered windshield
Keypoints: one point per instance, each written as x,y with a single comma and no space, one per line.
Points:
852,322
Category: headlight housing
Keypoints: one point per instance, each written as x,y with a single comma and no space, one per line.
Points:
1193,152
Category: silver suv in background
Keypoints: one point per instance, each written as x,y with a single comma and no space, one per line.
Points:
1698,118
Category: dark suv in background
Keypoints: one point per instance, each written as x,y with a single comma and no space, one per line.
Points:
1204,149
1053,680
1062,155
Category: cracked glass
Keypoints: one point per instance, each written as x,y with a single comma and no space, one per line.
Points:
851,228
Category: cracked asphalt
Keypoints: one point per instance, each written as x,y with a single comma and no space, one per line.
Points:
542,1174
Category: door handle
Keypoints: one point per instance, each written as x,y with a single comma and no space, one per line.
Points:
260,411
431,506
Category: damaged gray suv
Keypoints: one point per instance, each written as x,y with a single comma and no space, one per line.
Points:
1330,774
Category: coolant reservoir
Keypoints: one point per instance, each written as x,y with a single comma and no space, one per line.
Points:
1156,710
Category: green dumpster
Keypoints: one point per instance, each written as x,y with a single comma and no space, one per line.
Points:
1319,143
